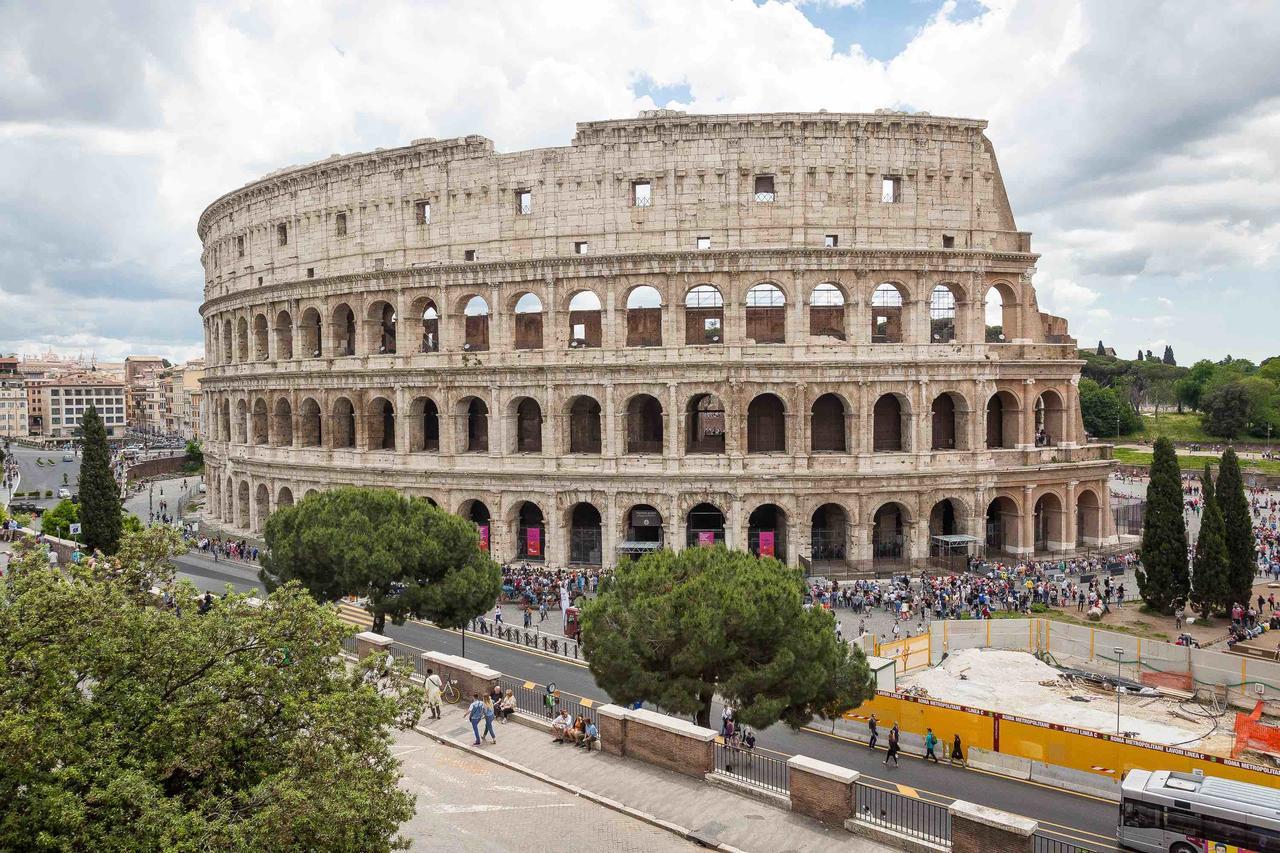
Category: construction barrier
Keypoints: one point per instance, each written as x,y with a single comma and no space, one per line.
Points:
907,654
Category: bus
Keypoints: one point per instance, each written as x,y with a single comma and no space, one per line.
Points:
1162,811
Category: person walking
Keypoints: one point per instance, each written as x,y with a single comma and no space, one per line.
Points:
872,728
475,714
957,753
930,744
489,713
893,747
435,687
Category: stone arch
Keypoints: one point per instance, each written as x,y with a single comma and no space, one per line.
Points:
704,525
1089,523
1003,525
644,316
890,534
949,421
261,337
310,424
1003,414
644,424
530,532
424,426
586,534
382,321
1049,523
827,425
943,300
477,513
473,414
310,492
888,312
766,314
380,424
282,423
229,501
344,423
224,421
1001,313
242,421
312,331
829,534
826,311
584,425
242,340
429,317
244,518
261,507
1051,419
344,329
284,498
527,308
643,526
475,323
705,424
585,316
528,425
891,424
767,531
766,424
284,336
228,342
703,315
259,423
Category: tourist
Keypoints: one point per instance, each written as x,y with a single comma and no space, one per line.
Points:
930,743
489,713
590,736
871,727
508,706
434,688
560,726
957,754
475,714
893,747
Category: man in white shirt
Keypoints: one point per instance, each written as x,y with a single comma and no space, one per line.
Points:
561,725
434,688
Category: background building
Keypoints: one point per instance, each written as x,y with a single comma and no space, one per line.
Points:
767,330
14,420
65,399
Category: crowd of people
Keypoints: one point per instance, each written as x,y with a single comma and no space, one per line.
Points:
228,549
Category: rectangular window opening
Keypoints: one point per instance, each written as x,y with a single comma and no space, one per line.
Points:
764,189
580,247
422,212
311,272
948,242
890,189
524,202
831,241
641,194
341,221
379,263
240,247
469,255
282,234
704,242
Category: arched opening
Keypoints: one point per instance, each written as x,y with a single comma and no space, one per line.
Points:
767,532
475,333
282,426
383,319
644,317
243,519
1048,523
284,498
889,425
478,514
380,425
1000,309
477,414
943,519
703,316
584,320
430,328
705,526
1088,519
705,427
886,314
1002,420
309,423
644,530
948,550
284,336
766,425
766,314
827,432
259,423
229,502
262,506
1002,525
1051,422
227,342
312,333
826,312
942,315
242,422
943,421
585,535
644,424
829,534
888,534
584,425
424,432
224,418
531,534
344,423
528,426
242,340
344,326
528,322
261,336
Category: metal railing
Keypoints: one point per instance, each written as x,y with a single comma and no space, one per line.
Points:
747,765
533,701
529,638
1045,844
907,815
349,644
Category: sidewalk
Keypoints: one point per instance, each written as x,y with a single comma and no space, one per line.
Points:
691,808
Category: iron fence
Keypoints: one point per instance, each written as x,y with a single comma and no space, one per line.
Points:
533,639
537,701
907,815
1046,844
349,644
747,765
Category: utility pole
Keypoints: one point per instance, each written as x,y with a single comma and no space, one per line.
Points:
1119,654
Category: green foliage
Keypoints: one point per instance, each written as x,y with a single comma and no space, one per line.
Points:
407,557
132,524
194,458
99,494
126,726
1226,410
1238,529
57,521
678,629
1210,565
1162,577
1102,410
1168,356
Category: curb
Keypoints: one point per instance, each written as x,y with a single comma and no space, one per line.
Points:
599,799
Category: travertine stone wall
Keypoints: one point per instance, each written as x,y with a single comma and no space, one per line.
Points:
855,387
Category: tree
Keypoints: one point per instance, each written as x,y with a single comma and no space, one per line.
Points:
1168,356
1103,411
1225,410
678,629
1242,553
57,521
407,557
99,495
1101,349
129,726
1209,569
195,457
1162,575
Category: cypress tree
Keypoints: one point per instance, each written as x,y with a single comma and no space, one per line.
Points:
1101,349
1242,553
99,495
1209,570
1162,577
1168,356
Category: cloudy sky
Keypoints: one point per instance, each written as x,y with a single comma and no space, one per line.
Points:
1140,141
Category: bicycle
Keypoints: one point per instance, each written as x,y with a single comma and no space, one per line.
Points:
451,694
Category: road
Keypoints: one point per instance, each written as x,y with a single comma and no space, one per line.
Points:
164,496
45,477
1083,820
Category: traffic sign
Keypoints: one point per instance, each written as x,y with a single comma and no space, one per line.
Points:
75,528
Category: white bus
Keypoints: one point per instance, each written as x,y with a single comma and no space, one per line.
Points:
1166,812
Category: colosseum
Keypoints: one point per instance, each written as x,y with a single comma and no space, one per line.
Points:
812,335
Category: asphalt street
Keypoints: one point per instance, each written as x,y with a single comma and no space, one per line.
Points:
46,477
1085,821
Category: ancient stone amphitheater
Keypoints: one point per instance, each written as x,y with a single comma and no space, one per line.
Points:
807,334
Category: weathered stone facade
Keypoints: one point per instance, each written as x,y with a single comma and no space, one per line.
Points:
678,329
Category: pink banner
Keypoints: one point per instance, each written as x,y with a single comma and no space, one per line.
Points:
484,537
766,543
533,542
706,538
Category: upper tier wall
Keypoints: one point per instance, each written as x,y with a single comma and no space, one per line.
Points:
360,213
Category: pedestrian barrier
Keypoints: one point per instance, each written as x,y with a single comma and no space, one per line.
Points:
909,816
753,768
533,639
535,700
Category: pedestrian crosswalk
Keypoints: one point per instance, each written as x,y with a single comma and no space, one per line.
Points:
354,615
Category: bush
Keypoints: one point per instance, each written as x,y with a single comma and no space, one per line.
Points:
48,493
1038,607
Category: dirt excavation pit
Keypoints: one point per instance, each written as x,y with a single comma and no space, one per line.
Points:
1018,683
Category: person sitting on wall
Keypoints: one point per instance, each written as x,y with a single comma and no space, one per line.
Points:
590,736
560,726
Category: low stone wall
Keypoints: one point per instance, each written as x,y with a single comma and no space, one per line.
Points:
821,790
669,742
986,830
472,677
155,467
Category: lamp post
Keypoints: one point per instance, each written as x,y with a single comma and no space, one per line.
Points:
1119,653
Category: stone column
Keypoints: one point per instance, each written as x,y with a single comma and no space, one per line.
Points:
402,419
982,829
612,722
669,742
821,790
609,443
673,526
498,426
609,533
1069,519
673,449
735,527
1027,430
368,642
1027,536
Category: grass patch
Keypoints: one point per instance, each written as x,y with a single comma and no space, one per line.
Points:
1180,427
1196,462
1137,629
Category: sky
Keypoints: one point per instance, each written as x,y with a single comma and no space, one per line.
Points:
1139,141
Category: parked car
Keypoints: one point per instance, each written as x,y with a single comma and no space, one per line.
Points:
68,457
64,493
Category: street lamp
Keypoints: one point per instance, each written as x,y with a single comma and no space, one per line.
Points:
1119,654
